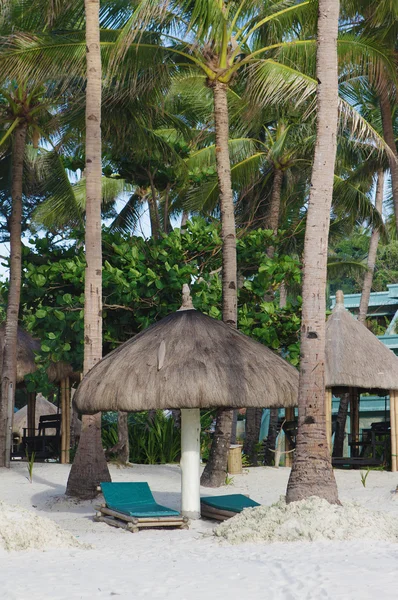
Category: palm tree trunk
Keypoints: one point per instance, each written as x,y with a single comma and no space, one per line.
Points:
253,415
184,219
312,473
216,467
253,426
338,446
9,366
275,206
270,444
89,467
123,435
388,132
153,209
374,242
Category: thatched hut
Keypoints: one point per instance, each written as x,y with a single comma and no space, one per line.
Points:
189,361
356,361
43,407
59,373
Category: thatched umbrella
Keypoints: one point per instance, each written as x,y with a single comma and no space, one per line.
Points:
26,349
43,407
59,372
356,359
189,361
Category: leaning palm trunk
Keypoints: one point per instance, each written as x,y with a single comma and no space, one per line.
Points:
89,467
389,136
374,242
312,473
9,367
216,467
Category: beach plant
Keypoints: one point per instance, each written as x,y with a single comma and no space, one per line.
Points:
364,476
229,480
31,461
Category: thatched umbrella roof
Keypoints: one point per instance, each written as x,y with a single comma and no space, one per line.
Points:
43,407
354,356
188,360
27,346
25,352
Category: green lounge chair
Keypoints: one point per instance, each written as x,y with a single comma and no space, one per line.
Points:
224,507
131,505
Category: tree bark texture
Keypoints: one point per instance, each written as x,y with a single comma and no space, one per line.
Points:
253,426
270,444
123,434
389,137
338,447
312,473
254,415
216,467
275,205
9,366
214,476
374,242
153,209
89,467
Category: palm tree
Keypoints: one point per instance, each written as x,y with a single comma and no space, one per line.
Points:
23,107
312,472
374,242
89,467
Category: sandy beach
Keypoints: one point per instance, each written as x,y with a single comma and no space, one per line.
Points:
193,564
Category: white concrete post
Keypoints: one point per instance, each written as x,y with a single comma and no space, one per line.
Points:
190,462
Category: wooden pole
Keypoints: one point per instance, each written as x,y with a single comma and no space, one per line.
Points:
63,422
289,416
354,417
393,424
328,412
31,418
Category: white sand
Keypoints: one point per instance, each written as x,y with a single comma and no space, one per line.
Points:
193,564
309,520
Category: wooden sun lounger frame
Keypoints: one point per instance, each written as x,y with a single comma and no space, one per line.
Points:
134,524
209,512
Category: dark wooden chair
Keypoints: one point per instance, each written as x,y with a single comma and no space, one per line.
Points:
44,445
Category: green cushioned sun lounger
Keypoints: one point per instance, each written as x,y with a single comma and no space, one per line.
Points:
132,506
225,507
134,499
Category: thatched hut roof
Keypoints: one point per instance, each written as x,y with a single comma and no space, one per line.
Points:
188,360
43,407
354,356
27,346
25,352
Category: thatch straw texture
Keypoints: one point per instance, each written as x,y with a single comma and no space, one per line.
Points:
27,346
43,407
25,352
354,356
188,360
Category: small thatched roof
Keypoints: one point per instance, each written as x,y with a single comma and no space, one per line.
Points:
43,407
25,352
188,360
27,346
354,356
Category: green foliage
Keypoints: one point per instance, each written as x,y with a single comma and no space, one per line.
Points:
142,283
364,476
153,438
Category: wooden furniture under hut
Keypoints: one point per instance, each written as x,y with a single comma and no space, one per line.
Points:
358,363
188,361
50,437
